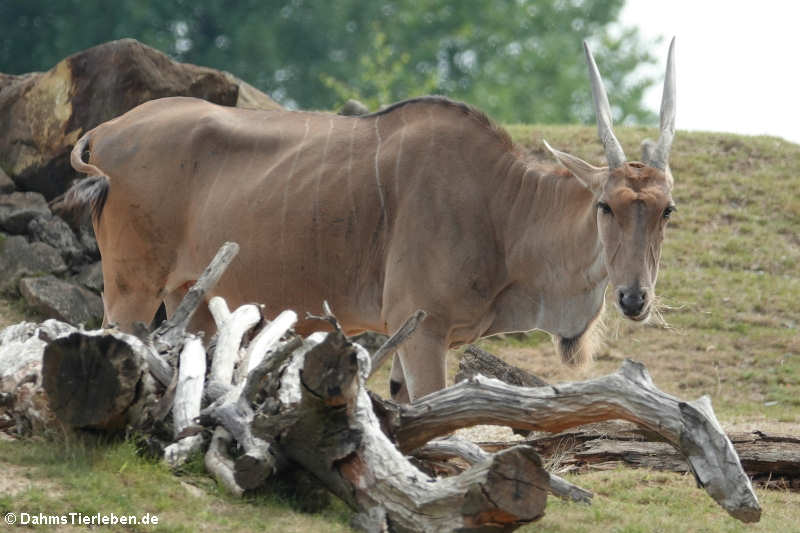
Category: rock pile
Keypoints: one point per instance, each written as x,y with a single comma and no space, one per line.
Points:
55,268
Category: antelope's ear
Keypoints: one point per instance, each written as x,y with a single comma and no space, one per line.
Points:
592,177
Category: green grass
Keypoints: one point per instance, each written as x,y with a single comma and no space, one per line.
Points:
730,292
88,475
643,501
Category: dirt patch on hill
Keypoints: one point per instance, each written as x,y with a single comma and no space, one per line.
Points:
8,315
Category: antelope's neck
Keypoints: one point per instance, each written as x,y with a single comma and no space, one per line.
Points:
557,273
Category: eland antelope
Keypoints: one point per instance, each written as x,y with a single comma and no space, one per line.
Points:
425,204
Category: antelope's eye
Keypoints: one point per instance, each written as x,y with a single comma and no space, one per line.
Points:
605,208
668,211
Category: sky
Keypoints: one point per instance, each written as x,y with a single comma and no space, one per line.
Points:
737,62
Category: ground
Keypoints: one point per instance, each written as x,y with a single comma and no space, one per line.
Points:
729,327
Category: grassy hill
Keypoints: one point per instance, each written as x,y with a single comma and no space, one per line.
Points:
729,291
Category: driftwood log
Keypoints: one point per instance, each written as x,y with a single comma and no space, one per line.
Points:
771,460
279,400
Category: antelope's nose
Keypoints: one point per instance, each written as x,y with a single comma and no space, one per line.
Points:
632,301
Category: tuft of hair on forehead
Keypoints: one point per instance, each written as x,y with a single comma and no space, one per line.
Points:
638,176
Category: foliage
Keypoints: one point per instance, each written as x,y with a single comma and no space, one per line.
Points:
382,75
519,60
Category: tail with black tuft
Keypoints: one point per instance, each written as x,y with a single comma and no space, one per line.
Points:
88,193
85,193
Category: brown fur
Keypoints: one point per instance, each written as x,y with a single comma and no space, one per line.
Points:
424,205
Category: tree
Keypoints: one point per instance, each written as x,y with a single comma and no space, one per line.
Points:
519,60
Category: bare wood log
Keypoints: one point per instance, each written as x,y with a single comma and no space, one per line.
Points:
330,369
231,329
400,336
259,381
189,392
472,453
233,410
770,460
567,491
92,378
257,463
169,333
627,394
218,463
450,447
333,432
23,403
188,398
268,337
158,367
476,361
215,390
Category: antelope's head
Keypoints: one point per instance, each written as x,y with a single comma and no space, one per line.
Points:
633,199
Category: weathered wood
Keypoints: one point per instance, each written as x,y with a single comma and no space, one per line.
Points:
218,463
93,378
171,330
628,394
233,410
567,491
333,432
330,369
231,329
475,361
188,398
268,337
770,460
399,337
260,382
23,403
189,392
471,453
450,447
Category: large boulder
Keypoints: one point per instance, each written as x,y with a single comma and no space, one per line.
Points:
42,114
55,298
54,231
19,258
91,277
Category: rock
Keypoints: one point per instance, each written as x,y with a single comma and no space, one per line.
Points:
91,277
42,114
249,97
17,209
61,300
6,184
54,231
86,235
19,258
353,108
